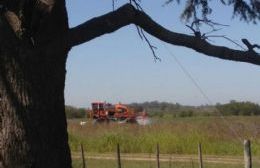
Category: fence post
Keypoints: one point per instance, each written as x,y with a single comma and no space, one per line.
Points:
158,155
247,154
192,164
170,161
200,156
83,156
118,156
150,158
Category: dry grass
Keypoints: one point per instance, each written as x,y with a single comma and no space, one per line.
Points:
175,136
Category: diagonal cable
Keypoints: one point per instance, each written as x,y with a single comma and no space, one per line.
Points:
202,92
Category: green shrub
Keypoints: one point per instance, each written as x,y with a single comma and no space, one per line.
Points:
73,112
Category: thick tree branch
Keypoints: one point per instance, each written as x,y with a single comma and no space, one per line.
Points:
127,14
101,25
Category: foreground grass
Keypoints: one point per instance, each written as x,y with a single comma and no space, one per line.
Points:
175,136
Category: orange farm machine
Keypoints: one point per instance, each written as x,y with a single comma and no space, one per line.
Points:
105,112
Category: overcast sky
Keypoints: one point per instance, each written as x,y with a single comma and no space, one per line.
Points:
119,67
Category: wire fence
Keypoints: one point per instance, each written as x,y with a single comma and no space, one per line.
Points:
158,160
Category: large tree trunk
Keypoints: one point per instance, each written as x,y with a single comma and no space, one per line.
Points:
33,127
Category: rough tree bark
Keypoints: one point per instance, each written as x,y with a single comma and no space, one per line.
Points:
34,43
32,78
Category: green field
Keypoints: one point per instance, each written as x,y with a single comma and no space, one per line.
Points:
175,136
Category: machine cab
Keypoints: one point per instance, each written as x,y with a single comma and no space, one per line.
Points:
98,110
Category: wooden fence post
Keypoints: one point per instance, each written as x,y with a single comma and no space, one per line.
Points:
118,156
158,155
200,156
170,161
150,158
83,157
247,154
192,164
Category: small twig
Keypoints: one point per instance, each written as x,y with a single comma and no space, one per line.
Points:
249,45
139,32
207,22
195,32
137,4
143,37
212,31
212,24
227,38
256,46
153,48
113,4
167,3
210,40
192,29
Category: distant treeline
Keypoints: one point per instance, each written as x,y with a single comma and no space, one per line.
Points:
74,112
166,110
239,108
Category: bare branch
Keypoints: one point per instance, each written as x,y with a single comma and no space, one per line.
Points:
139,32
197,22
256,46
143,37
207,22
195,32
249,45
128,14
153,48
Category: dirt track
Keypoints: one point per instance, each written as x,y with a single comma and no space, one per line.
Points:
167,158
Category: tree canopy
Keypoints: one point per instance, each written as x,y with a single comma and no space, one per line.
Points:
248,11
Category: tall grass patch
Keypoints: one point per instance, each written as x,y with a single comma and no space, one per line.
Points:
175,136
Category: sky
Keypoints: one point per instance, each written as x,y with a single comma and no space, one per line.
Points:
119,67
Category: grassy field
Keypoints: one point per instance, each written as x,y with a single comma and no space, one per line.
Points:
175,136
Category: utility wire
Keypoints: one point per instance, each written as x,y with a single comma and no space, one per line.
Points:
202,92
